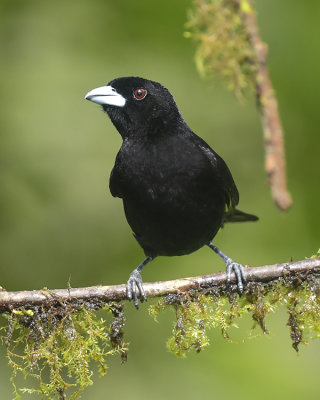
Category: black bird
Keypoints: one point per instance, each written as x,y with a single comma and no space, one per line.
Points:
177,192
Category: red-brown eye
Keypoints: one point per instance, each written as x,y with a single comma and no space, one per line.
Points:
140,94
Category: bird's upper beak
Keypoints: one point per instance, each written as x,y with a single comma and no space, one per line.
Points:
106,95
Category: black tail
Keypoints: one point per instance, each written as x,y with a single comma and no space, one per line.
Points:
239,216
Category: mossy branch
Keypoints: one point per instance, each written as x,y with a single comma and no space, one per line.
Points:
230,46
116,293
56,336
275,164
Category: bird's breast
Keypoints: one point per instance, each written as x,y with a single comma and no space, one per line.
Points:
167,172
170,197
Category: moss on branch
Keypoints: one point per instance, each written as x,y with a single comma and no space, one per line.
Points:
223,47
58,346
57,342
229,46
198,311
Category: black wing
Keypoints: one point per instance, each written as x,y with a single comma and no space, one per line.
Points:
225,179
116,177
222,175
114,185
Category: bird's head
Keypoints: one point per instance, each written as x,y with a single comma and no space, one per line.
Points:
137,106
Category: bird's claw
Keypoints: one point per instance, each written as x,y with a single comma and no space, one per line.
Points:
238,269
134,288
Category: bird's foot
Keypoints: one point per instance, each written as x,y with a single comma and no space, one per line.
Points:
231,266
134,288
239,270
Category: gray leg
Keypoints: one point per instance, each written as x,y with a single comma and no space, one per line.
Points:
231,266
134,284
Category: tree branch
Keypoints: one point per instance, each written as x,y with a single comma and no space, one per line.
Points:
275,164
11,300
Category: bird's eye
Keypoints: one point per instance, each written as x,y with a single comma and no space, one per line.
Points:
140,94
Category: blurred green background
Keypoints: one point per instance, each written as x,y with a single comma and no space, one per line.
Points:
59,221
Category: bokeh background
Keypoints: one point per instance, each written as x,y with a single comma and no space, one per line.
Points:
59,221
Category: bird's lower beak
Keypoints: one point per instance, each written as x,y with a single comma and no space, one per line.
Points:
106,95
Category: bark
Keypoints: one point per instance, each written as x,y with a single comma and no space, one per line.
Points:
275,164
11,300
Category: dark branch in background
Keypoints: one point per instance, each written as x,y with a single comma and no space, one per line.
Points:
11,300
275,164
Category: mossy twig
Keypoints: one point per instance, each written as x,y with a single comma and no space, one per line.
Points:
229,45
12,300
55,336
275,164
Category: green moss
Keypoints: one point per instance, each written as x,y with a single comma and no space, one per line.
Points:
198,312
194,315
57,346
223,47
317,255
